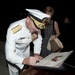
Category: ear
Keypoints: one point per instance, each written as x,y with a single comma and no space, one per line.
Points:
27,19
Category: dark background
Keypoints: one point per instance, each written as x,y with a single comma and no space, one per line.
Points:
11,11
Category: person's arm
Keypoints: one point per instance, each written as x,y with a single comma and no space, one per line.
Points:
10,49
56,28
37,40
37,46
57,31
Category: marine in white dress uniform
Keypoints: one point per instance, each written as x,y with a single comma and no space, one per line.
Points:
18,39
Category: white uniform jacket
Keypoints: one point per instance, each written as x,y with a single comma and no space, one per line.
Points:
17,46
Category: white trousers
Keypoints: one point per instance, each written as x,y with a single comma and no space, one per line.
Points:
13,70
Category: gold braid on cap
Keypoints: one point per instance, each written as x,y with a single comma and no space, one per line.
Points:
37,23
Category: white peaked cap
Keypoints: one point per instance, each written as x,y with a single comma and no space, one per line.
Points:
37,13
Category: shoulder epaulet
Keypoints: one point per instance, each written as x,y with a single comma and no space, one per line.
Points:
16,29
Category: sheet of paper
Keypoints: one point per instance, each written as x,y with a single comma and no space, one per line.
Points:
54,59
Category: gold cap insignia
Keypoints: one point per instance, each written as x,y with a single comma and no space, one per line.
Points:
38,24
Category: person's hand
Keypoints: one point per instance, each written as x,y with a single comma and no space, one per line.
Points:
38,57
34,36
30,61
53,37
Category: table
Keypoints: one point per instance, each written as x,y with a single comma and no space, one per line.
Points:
37,71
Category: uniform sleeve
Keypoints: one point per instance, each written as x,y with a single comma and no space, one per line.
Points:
37,44
10,49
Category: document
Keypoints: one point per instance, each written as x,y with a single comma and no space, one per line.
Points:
54,59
